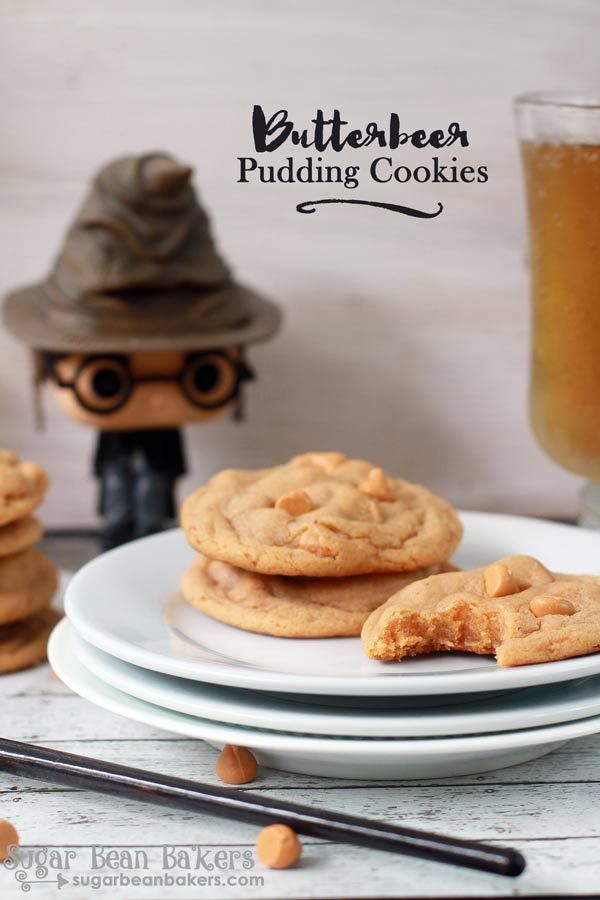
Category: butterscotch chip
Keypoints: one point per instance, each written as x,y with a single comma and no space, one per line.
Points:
19,535
326,462
9,837
235,518
23,644
550,605
499,581
375,510
556,617
296,503
236,765
318,541
290,607
377,485
22,487
278,846
28,582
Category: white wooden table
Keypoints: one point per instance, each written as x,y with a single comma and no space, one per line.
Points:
549,809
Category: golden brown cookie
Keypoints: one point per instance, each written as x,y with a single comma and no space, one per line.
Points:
18,536
320,514
23,644
290,607
22,487
514,608
28,582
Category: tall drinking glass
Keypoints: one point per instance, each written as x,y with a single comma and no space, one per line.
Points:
560,145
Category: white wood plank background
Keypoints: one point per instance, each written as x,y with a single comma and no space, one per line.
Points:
405,341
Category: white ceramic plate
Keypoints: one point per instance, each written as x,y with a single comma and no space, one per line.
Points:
126,603
529,708
326,756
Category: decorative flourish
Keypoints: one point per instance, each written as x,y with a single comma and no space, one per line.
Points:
309,207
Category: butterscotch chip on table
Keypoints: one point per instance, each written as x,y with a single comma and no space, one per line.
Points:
320,515
23,644
278,846
19,535
22,487
9,837
236,765
28,582
291,607
541,616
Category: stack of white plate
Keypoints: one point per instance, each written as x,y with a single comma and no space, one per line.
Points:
131,644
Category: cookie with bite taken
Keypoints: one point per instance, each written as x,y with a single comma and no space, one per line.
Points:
514,608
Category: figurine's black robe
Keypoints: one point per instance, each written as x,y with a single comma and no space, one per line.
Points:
159,449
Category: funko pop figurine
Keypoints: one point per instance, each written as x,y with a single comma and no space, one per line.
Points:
139,329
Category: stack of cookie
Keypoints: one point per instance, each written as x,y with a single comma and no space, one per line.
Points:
28,579
310,548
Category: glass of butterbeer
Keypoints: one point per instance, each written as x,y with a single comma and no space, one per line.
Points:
560,146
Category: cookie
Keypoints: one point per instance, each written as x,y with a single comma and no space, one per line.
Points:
281,606
22,487
28,582
320,515
23,644
514,608
18,536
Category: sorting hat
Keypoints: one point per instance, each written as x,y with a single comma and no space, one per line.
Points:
139,270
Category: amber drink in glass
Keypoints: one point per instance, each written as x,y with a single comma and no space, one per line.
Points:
560,145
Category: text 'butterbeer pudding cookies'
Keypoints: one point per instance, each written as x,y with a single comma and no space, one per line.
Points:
514,608
28,579
312,547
